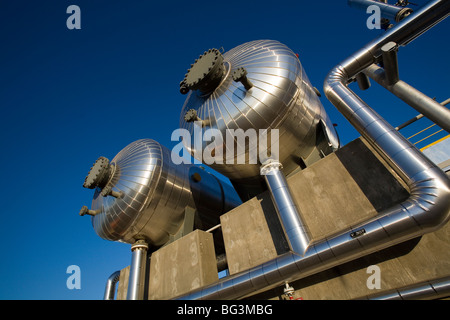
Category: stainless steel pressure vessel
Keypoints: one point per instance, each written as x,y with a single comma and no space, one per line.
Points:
257,85
142,194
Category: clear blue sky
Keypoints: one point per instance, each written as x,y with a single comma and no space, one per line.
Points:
70,96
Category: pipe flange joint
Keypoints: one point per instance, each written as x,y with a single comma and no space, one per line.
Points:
269,167
239,73
402,14
139,244
191,116
99,174
205,74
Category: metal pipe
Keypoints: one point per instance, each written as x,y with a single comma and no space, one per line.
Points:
387,11
110,288
137,270
222,263
419,116
428,290
296,231
426,210
410,121
430,108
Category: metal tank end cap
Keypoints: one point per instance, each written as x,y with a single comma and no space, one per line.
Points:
99,174
205,73
269,167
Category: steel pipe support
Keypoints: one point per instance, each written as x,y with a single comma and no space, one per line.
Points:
296,230
430,108
137,270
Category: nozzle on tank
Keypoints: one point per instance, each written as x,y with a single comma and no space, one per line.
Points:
192,116
108,191
240,75
85,210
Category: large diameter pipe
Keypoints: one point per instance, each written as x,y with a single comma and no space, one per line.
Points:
430,108
386,10
426,210
427,290
296,231
110,287
137,271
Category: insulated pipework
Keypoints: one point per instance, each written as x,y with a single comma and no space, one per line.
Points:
296,231
111,286
137,271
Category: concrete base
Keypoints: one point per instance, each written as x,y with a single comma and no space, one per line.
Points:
122,289
252,234
184,265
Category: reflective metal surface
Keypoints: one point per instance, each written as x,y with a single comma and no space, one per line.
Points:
279,96
110,287
155,193
426,210
430,108
428,290
295,228
137,271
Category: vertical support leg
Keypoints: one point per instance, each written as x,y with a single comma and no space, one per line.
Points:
293,225
137,270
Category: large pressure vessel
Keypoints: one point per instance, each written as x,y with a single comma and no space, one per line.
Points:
142,195
257,85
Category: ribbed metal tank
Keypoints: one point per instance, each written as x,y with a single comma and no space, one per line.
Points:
257,85
151,194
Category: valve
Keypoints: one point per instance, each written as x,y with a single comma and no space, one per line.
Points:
289,291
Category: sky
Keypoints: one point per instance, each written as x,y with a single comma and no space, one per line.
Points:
70,96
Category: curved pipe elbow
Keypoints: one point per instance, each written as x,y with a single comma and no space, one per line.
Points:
111,286
429,202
